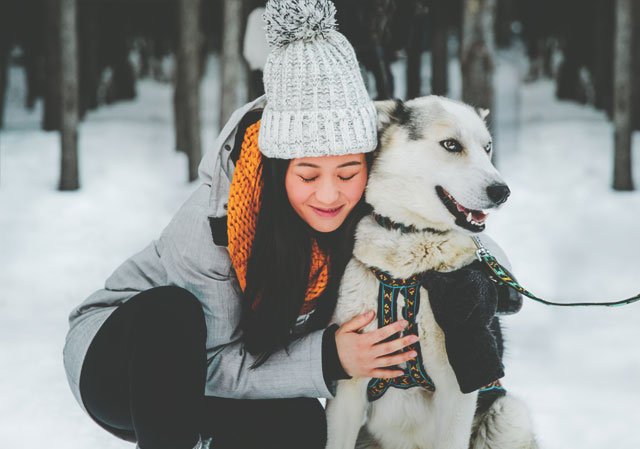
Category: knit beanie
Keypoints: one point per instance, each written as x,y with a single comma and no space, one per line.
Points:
317,104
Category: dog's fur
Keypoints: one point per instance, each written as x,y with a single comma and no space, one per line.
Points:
410,162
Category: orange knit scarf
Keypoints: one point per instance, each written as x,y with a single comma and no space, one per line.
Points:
245,198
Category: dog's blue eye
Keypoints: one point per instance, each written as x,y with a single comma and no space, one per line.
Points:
451,145
488,147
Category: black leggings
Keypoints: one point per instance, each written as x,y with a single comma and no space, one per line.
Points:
144,375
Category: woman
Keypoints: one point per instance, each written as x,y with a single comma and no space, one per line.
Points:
218,327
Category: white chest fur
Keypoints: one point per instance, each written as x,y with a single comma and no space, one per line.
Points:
413,418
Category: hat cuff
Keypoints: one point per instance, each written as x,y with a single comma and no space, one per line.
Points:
332,132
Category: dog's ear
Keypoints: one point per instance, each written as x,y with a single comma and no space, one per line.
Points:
385,109
482,112
392,111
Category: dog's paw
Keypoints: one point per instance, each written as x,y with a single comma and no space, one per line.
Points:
505,425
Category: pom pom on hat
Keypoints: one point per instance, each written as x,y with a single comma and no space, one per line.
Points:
317,103
294,20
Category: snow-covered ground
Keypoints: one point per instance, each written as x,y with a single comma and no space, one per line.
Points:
568,235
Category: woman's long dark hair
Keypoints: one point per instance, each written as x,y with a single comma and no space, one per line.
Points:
278,268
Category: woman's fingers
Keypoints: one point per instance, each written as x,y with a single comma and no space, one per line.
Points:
358,322
361,356
386,331
397,359
385,373
390,347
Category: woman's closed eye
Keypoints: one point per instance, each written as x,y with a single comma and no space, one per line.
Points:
346,178
313,178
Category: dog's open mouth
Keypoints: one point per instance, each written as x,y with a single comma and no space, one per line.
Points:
469,219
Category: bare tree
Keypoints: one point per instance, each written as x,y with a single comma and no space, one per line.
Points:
6,42
477,53
187,89
52,105
416,27
4,72
68,38
439,24
603,55
622,82
88,50
231,64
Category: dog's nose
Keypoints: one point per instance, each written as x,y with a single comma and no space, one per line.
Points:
498,193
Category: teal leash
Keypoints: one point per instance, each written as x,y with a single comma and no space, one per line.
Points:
503,278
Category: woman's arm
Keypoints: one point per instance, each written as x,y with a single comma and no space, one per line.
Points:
188,255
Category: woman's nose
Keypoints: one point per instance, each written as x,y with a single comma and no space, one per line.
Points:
327,192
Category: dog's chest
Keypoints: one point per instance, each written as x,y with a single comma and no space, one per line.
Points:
404,255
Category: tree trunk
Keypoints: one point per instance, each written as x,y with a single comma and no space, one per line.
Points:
414,56
477,54
116,20
68,36
622,96
52,102
187,90
31,40
439,25
123,80
5,48
231,63
88,50
603,63
635,69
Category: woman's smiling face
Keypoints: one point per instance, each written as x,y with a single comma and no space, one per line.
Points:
323,190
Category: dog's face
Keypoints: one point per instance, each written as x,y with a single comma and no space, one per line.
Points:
433,166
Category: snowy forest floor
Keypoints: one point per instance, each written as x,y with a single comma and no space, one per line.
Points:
568,235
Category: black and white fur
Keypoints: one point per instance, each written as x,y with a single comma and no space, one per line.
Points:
412,166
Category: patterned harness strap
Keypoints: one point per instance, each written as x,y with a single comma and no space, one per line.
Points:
414,374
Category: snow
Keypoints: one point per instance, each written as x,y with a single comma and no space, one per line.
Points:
568,235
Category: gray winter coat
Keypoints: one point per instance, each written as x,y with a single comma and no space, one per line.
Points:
185,255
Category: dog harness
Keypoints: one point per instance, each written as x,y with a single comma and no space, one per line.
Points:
414,374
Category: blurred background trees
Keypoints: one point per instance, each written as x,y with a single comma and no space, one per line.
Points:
590,48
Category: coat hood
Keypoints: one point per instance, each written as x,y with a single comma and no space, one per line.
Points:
216,168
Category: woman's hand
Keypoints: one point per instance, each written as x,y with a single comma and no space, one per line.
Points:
363,354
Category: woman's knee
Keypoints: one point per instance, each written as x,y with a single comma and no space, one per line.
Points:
275,423
299,422
169,308
309,423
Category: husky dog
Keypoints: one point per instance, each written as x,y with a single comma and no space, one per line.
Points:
432,173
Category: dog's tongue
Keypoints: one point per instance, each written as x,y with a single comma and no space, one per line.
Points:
478,215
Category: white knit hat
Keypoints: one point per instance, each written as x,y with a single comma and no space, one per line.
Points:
317,104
